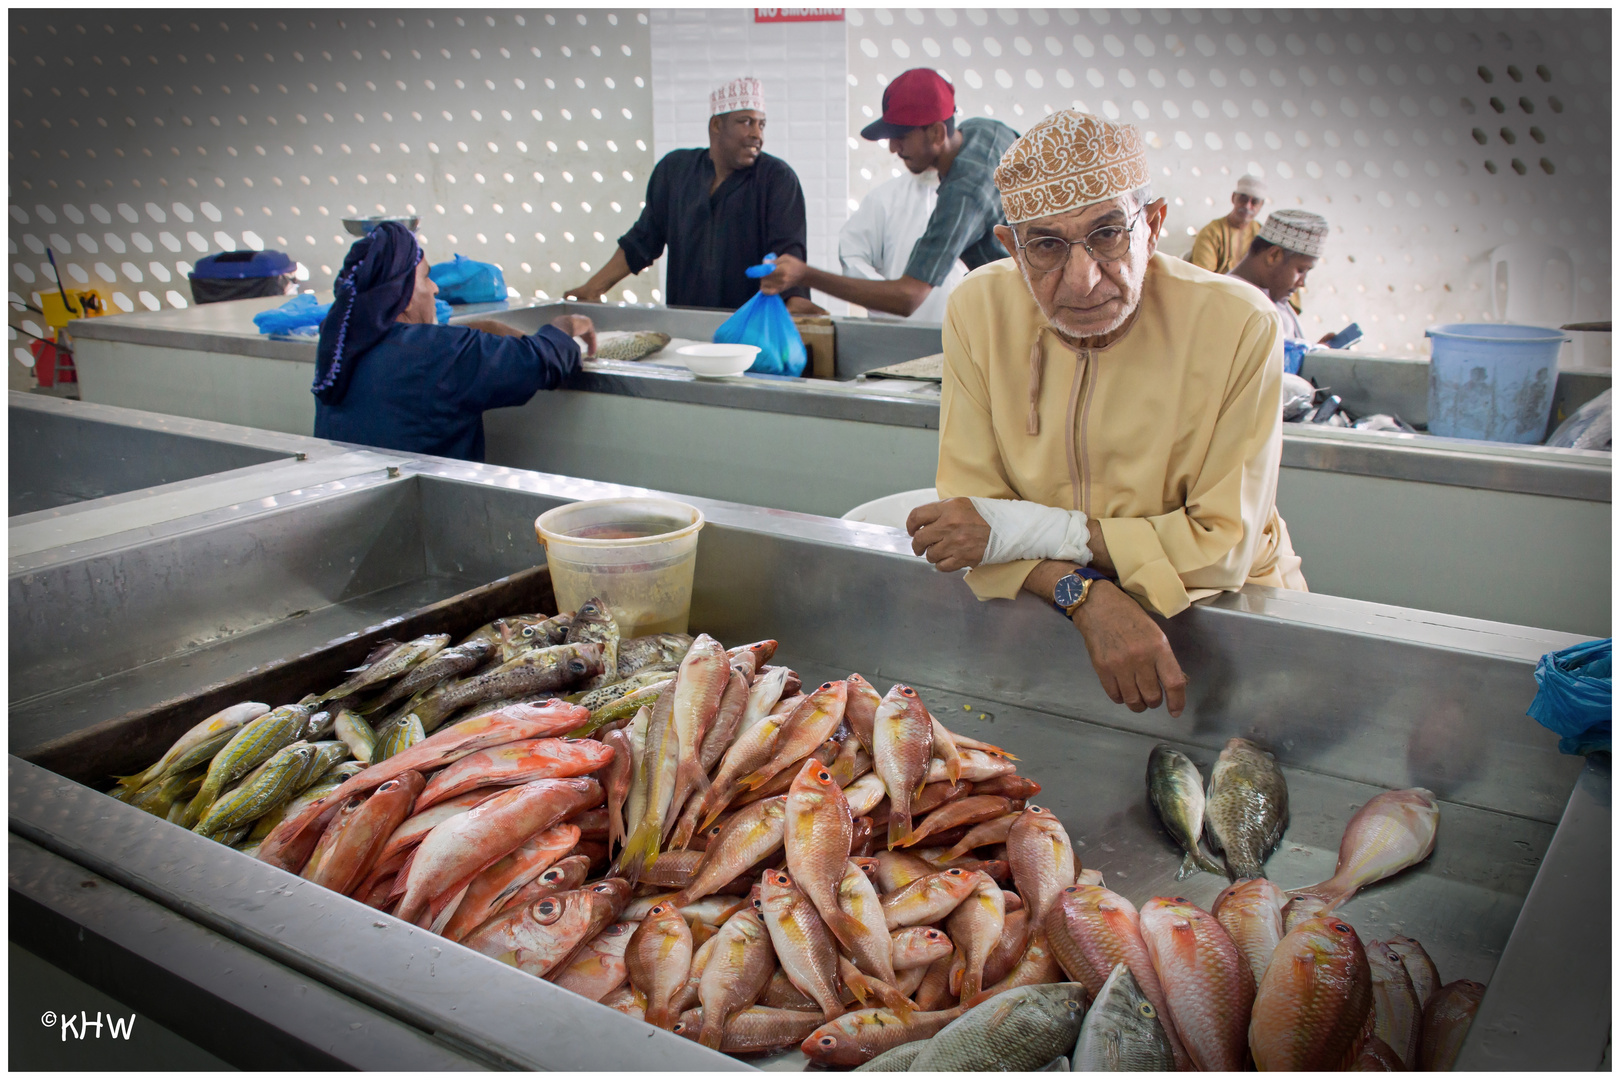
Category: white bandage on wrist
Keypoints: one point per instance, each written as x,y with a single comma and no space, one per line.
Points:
1028,530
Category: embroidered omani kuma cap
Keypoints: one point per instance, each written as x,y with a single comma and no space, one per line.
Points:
1068,161
743,93
1296,230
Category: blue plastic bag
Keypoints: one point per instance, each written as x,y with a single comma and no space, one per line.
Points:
1575,696
441,311
1293,355
300,315
764,321
468,281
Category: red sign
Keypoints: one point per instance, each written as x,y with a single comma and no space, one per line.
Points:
774,15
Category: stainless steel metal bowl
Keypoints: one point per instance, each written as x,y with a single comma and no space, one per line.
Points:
362,226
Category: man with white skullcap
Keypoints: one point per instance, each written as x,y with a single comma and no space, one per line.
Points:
718,210
1222,243
1287,249
1111,417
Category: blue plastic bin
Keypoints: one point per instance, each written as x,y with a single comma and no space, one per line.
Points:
1492,381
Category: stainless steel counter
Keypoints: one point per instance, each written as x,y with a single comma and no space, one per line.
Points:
1412,520
1353,697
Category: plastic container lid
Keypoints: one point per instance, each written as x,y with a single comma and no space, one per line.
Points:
235,265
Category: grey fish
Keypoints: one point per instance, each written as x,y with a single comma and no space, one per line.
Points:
630,344
447,664
594,621
637,654
1122,1031
898,1059
397,662
546,670
356,734
603,695
1177,791
269,789
398,735
319,725
1247,808
253,743
1017,1031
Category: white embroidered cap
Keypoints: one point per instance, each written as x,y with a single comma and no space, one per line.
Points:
1068,161
1252,186
1296,230
743,93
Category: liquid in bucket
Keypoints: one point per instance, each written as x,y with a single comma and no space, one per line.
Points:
637,554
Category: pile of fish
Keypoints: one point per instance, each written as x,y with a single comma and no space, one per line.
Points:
1278,977
695,839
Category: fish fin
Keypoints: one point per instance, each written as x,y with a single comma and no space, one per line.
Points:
845,927
442,910
198,806
1189,866
754,780
1205,863
401,879
639,853
714,1032
899,830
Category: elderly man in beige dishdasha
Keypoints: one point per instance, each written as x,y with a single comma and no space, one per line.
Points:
1111,420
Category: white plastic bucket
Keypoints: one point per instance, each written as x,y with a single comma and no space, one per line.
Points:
892,510
637,554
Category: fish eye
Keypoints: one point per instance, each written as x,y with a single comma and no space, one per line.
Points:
1147,1011
528,631
1341,928
824,776
1032,808
827,1041
680,1026
1070,1003
956,871
826,686
907,692
759,906
1180,900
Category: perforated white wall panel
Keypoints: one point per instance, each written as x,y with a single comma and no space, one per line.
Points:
802,67
1428,138
141,140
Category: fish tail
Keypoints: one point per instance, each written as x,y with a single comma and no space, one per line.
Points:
1189,866
639,852
198,806
1330,892
1205,863
714,804
899,829
714,1030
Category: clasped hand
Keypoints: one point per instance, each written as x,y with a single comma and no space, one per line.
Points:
949,534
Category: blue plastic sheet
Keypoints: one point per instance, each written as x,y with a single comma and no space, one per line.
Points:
468,281
300,315
764,321
441,311
1575,699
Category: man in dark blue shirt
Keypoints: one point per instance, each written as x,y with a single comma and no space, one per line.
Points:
387,375
919,110
719,211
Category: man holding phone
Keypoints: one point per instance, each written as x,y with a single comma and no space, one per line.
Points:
1280,257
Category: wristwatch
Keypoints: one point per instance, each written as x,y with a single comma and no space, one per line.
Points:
1072,589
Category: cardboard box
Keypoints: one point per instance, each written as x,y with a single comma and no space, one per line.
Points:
820,342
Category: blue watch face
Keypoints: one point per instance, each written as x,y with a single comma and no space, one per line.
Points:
1066,591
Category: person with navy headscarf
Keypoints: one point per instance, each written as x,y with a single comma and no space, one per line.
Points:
387,375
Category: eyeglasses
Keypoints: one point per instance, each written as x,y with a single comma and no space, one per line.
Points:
1110,243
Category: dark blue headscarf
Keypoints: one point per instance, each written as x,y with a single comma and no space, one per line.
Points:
374,286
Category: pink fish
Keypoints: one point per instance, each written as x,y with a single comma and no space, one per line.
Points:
488,893
361,835
458,850
1393,831
516,763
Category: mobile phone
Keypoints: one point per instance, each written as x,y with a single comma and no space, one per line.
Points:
1346,337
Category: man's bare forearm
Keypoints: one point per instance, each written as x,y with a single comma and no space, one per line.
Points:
616,270
900,297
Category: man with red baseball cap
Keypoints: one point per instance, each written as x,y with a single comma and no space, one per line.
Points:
919,121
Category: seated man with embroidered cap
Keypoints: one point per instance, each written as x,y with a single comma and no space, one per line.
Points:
1222,243
1111,418
1285,251
719,210
387,375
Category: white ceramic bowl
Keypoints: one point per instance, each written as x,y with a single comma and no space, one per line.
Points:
716,361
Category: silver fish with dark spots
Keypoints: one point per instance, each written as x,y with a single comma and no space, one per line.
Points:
539,671
1122,1031
397,662
449,663
1247,808
630,344
1176,789
1020,1030
637,654
594,622
898,1059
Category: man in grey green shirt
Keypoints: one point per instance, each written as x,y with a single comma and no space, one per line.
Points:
919,110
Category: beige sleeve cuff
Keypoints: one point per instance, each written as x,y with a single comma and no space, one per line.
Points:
1144,569
1002,581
